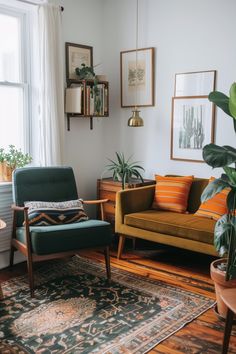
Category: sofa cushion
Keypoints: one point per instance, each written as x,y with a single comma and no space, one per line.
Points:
62,238
172,193
215,207
188,226
194,198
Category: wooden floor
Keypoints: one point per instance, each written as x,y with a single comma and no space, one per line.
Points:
185,269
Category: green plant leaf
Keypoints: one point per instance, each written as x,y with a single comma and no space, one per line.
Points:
124,169
232,100
213,188
219,156
220,100
223,228
231,200
231,174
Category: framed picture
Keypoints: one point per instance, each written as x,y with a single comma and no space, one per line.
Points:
137,90
199,83
77,54
192,127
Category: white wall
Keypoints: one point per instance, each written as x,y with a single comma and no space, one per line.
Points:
188,35
82,22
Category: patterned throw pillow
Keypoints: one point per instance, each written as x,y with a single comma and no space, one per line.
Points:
54,213
171,193
215,207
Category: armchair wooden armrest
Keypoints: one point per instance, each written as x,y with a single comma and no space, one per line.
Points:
18,208
98,201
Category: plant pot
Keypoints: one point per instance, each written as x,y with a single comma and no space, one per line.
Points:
218,276
1,172
5,172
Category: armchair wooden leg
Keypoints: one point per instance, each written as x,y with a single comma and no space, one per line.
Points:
120,246
31,276
1,294
107,260
12,253
228,328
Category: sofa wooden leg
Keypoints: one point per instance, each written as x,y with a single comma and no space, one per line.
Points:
120,246
107,260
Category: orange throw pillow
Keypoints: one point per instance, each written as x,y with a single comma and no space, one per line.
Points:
171,193
215,207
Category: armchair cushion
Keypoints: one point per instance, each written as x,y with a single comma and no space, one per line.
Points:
67,237
52,213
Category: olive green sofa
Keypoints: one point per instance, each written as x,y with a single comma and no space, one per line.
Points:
135,218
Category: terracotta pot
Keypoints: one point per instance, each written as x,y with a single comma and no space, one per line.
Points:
1,172
218,276
5,172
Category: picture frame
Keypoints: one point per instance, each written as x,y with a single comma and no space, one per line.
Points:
138,93
198,83
77,54
192,127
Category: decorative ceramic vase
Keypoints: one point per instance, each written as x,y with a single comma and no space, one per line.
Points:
218,276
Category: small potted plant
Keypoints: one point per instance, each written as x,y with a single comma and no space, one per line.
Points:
223,271
10,160
87,73
124,170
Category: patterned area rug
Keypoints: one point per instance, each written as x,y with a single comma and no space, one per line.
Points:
76,311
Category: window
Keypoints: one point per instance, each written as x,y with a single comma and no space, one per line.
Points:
14,79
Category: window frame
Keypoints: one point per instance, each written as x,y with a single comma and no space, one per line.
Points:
24,66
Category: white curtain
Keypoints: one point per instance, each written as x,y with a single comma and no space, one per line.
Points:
51,86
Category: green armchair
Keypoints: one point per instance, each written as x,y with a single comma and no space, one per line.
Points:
39,243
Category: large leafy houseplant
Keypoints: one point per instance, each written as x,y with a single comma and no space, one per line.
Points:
124,169
224,157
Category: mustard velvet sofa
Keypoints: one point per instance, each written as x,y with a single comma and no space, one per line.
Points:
135,218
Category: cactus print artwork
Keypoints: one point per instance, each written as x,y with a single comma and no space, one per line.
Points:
191,134
192,127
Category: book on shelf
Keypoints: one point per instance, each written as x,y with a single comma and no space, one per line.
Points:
73,100
87,99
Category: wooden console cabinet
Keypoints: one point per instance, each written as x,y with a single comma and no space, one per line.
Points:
107,188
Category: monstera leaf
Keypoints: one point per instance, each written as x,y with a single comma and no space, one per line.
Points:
232,101
219,156
227,104
220,100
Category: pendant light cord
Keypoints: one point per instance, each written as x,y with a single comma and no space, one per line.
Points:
136,58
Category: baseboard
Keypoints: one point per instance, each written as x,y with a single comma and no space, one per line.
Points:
4,258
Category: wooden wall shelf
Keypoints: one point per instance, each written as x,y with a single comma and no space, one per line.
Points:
90,108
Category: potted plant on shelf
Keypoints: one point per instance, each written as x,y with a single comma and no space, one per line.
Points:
10,160
124,170
87,73
223,271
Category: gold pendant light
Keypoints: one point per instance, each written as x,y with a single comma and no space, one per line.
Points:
135,120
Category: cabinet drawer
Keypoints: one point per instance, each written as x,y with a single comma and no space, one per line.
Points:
103,194
109,208
111,187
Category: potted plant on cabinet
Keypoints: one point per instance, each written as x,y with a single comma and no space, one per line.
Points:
223,271
123,170
10,160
